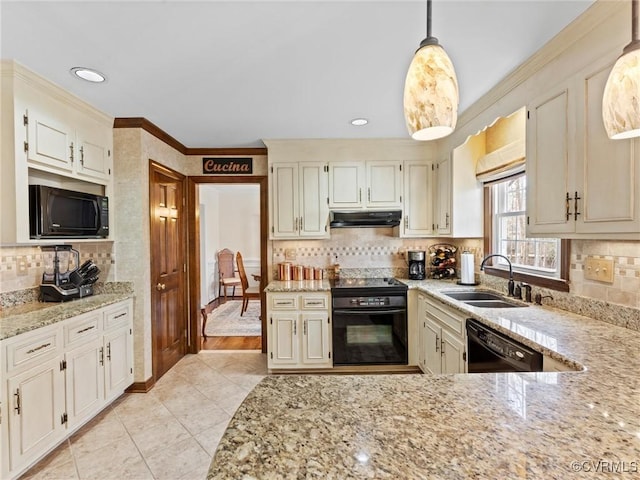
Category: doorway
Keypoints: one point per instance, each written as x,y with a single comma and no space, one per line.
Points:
229,224
168,273
195,255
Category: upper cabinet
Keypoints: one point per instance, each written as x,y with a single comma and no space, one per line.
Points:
49,137
299,200
443,198
417,202
373,184
579,182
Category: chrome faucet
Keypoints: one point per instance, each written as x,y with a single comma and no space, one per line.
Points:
510,285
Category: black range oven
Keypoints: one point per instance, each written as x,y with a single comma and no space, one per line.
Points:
369,321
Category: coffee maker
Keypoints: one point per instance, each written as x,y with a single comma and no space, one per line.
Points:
416,259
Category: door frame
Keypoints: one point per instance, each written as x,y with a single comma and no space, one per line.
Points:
169,172
193,254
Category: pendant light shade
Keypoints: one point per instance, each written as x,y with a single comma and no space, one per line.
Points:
621,99
430,90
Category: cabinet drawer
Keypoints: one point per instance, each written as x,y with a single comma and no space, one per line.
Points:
310,302
446,317
83,328
116,317
33,348
284,302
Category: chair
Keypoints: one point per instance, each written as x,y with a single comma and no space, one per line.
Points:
226,273
247,292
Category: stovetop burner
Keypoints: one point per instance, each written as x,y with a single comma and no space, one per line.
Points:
361,287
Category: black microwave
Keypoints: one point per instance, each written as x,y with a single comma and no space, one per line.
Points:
57,213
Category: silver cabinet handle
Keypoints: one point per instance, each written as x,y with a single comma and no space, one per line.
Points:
305,327
16,397
109,351
437,343
86,329
33,350
123,314
369,194
82,155
406,221
71,152
295,328
360,195
441,347
101,355
447,220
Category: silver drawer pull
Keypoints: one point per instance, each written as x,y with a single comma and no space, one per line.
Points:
86,329
38,348
315,303
120,315
285,303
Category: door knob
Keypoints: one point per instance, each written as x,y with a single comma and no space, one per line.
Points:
160,286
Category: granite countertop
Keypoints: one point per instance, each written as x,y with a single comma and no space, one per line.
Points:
29,316
298,286
493,425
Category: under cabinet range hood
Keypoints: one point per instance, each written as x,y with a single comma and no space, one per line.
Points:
365,218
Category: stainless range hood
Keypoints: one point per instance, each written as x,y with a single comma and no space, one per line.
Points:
365,218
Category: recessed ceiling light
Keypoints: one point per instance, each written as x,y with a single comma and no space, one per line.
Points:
358,122
88,74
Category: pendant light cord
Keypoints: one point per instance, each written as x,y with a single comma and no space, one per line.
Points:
428,18
635,27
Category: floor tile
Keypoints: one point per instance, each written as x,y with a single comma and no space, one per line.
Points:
175,462
158,436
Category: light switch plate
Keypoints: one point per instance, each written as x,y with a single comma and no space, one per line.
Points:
22,267
599,269
290,254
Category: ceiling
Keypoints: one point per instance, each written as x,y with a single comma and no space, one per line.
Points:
228,74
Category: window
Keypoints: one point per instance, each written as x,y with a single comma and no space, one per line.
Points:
539,256
538,261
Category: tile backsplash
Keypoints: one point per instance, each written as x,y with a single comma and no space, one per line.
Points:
11,279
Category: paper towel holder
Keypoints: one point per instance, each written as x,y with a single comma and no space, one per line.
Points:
460,282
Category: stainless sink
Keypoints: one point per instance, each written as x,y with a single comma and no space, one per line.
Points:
484,299
473,295
494,304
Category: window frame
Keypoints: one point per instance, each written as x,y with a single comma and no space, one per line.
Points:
560,283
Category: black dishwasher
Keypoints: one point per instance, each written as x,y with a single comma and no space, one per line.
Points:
492,351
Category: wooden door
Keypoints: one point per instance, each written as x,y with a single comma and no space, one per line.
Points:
168,268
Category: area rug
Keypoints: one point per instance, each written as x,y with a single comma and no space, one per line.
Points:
225,320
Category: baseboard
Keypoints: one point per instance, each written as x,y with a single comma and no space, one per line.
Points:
141,387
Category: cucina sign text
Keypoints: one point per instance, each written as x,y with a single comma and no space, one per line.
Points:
226,166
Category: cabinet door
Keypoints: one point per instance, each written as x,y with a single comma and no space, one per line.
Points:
36,399
346,182
94,150
384,184
284,186
550,161
608,169
314,193
422,342
283,339
315,338
84,382
50,141
432,344
453,353
118,362
443,199
418,199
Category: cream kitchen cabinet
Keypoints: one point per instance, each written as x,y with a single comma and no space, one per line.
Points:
458,199
417,199
48,137
299,193
443,197
372,184
299,334
58,377
580,184
442,338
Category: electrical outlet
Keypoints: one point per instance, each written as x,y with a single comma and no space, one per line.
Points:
290,254
599,269
22,265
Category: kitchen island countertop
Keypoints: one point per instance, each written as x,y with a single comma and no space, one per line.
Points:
495,425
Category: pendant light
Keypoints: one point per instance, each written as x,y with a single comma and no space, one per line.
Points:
621,99
430,90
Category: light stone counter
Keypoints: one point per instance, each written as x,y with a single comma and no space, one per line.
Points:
29,316
497,425
298,286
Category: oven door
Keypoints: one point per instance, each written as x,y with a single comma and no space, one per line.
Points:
370,336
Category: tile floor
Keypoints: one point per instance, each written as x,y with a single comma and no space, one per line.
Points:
168,433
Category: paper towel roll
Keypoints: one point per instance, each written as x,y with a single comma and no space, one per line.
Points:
467,274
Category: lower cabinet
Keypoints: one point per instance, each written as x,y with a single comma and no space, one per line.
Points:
442,338
60,376
299,330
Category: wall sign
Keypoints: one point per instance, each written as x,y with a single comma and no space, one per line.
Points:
227,166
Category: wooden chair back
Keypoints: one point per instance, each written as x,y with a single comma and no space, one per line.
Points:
225,263
241,272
